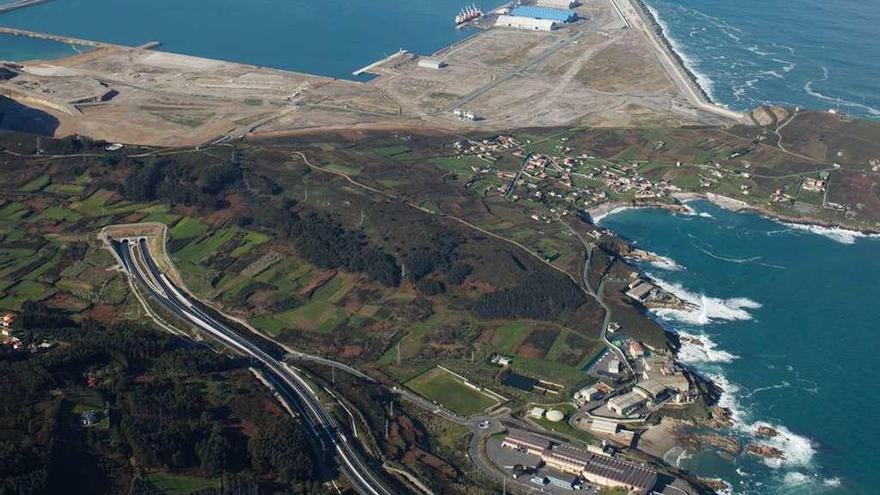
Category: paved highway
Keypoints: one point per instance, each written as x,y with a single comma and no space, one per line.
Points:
139,264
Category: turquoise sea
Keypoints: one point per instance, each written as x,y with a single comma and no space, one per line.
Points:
811,53
788,326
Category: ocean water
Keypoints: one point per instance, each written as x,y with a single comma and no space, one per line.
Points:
326,37
796,52
16,48
788,319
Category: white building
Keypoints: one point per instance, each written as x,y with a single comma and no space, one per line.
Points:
604,426
557,4
622,405
430,63
651,390
519,22
587,394
614,367
536,413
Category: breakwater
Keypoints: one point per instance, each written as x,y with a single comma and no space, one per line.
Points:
660,34
637,14
53,37
9,7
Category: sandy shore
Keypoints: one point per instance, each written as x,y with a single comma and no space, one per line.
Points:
600,211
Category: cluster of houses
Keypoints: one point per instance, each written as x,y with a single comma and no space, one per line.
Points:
815,184
486,149
6,337
567,467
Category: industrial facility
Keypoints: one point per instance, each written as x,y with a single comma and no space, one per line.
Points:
430,63
590,467
557,4
545,13
543,17
517,22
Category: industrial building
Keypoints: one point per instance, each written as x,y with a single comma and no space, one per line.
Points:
557,4
596,468
545,13
429,63
526,442
624,404
651,390
604,426
518,22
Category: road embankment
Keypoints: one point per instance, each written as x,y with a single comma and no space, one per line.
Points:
638,15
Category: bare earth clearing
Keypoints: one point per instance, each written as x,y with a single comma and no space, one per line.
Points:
595,72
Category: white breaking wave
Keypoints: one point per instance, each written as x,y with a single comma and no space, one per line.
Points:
832,482
797,450
665,263
808,87
784,384
701,349
708,309
796,482
718,256
837,234
795,478
702,79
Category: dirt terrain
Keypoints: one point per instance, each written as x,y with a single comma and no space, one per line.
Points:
594,72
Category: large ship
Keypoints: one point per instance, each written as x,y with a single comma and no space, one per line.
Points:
468,14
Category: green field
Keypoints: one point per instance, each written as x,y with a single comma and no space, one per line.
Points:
178,484
36,184
509,335
188,228
198,250
65,189
448,391
251,240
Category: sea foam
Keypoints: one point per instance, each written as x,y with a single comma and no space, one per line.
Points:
706,351
797,450
708,309
837,234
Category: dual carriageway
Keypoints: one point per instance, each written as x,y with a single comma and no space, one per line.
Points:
137,261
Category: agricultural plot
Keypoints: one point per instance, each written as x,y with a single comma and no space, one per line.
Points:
320,313
449,391
188,228
538,343
26,290
200,249
507,337
180,484
36,184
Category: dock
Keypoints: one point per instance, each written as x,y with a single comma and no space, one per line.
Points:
389,58
20,4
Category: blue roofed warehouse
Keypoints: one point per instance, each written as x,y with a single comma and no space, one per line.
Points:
558,15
